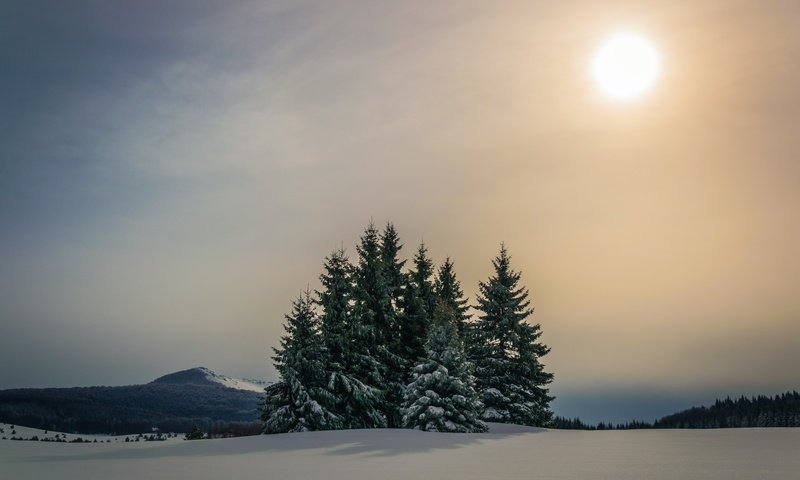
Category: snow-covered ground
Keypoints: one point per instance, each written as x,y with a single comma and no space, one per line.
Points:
9,432
508,452
236,383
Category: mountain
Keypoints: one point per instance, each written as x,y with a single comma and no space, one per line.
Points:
204,376
173,403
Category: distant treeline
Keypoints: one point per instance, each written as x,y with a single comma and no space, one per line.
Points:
132,409
762,411
563,423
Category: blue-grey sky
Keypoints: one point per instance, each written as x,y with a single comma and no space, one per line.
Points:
172,174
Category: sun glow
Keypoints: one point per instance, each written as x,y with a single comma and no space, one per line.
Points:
626,66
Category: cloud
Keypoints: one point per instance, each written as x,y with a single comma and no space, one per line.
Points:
174,173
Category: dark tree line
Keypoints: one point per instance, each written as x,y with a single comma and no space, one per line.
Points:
563,423
762,411
385,345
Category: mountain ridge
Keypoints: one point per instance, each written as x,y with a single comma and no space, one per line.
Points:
174,402
203,376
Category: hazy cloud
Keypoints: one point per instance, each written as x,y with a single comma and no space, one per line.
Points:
173,173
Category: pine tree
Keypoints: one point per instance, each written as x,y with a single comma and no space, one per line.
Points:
448,290
350,367
511,380
372,318
334,299
301,401
419,302
355,402
422,276
442,396
372,301
413,323
390,247
195,434
391,352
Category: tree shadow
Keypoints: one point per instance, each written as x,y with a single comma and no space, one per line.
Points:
389,446
372,443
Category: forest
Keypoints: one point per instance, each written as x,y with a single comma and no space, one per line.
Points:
762,411
744,412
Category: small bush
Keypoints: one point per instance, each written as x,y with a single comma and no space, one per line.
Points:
195,434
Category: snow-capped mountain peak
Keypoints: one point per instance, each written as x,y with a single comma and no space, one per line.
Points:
203,375
236,383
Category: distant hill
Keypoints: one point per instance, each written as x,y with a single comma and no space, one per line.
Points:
172,403
204,376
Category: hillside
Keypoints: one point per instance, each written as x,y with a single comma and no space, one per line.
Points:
204,376
174,403
505,453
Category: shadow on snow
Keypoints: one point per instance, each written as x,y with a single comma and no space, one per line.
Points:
372,442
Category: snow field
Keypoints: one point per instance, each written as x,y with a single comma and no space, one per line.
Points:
506,452
26,433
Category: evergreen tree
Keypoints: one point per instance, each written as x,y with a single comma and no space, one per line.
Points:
355,402
419,302
301,401
371,296
442,396
448,289
195,434
391,352
422,277
351,366
511,380
392,266
334,299
372,318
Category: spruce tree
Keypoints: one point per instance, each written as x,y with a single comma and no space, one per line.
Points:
301,401
419,302
390,247
448,290
422,276
371,296
354,401
511,380
372,318
334,299
442,396
391,351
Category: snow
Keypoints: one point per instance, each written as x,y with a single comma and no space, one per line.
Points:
26,433
236,383
507,452
436,411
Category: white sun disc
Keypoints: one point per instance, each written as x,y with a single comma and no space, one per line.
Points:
626,66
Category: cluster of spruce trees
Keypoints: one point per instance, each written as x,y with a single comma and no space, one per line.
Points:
384,346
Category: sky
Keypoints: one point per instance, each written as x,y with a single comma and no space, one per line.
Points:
173,173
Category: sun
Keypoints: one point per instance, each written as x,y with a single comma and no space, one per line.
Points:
626,66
